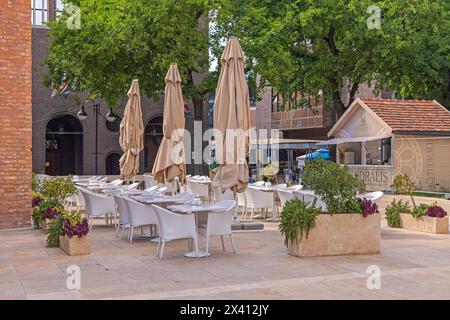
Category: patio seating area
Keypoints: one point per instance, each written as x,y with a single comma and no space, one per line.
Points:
413,265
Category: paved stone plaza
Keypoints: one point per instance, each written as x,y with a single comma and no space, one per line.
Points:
413,266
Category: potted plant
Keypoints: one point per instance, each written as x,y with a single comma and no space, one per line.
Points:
44,210
348,227
70,231
421,217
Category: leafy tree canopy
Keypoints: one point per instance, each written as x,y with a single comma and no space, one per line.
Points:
316,46
122,40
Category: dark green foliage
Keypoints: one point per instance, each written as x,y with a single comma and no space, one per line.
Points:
55,229
297,216
393,212
420,211
335,185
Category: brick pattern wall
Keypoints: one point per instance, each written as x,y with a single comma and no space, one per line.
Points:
15,113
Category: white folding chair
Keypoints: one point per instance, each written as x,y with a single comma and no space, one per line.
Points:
140,215
219,224
174,226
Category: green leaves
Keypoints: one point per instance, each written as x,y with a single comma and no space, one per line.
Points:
309,45
122,40
335,185
297,217
57,189
393,212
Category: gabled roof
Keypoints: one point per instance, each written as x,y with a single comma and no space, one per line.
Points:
402,116
411,115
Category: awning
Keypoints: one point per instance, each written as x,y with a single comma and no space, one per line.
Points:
357,139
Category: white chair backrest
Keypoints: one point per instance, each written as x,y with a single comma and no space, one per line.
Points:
219,195
133,186
122,209
175,226
259,183
103,179
116,183
373,196
284,196
79,199
149,181
259,199
201,189
140,214
151,189
309,197
219,223
98,205
281,185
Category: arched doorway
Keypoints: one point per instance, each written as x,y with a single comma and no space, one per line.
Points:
112,164
153,137
64,146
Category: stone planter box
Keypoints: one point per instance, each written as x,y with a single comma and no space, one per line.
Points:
424,224
75,246
340,234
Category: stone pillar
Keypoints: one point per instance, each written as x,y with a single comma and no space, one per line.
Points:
15,114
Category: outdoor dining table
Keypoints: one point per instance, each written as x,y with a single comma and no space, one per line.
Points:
197,209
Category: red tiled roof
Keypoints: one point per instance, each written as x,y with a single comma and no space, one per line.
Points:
411,115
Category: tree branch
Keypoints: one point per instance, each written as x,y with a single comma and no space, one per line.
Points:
330,41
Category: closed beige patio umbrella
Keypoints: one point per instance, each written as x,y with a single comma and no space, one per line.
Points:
170,161
131,134
231,114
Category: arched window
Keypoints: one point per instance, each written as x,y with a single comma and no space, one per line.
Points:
64,146
112,164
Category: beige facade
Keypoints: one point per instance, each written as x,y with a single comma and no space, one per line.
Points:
376,153
424,158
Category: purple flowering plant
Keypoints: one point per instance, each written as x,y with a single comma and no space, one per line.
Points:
368,207
436,212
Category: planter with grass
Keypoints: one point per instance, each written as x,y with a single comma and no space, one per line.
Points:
422,217
349,226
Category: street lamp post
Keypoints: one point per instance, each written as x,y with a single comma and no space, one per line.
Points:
110,116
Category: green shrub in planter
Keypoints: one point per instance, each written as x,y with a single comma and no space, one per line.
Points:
335,185
393,212
297,216
58,188
420,211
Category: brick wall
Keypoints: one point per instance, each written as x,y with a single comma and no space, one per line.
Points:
15,113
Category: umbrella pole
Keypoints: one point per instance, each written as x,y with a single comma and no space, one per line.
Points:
235,218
